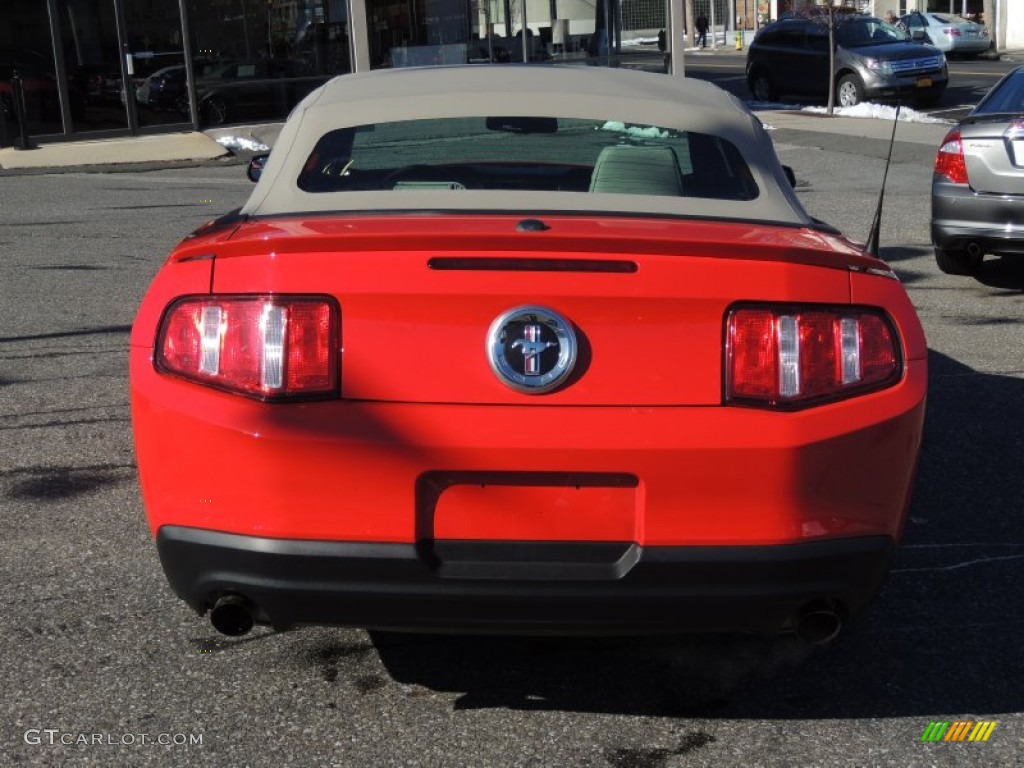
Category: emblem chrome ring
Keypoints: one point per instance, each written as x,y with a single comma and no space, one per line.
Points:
531,349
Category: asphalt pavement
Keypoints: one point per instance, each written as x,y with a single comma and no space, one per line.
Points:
105,667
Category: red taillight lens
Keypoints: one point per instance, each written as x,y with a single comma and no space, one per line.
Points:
753,354
796,356
269,347
949,161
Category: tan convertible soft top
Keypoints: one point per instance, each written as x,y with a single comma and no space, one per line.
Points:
596,93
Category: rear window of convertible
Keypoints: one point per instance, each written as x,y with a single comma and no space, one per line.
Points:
527,153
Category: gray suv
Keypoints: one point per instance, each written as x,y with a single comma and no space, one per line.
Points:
875,61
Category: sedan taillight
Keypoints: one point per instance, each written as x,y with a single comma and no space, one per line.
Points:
949,160
268,347
791,357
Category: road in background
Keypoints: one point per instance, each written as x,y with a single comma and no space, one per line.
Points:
96,646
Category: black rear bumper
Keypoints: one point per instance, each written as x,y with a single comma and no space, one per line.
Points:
961,216
528,587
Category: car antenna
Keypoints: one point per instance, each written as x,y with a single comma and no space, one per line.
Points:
876,225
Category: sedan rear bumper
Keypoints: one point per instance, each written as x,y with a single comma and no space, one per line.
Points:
961,216
525,587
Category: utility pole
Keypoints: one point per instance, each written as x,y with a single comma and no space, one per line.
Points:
991,17
714,39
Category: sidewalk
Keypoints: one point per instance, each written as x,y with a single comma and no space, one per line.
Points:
189,147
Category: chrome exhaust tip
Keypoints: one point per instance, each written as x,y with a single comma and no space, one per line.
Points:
232,615
818,626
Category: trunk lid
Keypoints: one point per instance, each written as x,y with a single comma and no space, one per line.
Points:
645,298
994,154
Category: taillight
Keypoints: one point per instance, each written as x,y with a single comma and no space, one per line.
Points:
1015,130
949,160
1012,137
268,347
792,356
951,32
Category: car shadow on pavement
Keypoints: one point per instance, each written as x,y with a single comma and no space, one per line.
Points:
42,483
891,254
1006,273
943,636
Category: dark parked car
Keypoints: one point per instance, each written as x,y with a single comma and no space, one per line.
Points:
165,89
259,89
978,184
874,61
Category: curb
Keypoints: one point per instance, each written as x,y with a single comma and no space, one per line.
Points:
229,159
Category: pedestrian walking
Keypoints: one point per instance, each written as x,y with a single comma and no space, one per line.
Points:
702,30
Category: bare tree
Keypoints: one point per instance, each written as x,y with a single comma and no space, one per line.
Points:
830,15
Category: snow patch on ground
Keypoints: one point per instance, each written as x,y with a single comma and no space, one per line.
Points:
879,112
236,143
865,110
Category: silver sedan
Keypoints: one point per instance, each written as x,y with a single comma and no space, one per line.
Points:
947,32
978,184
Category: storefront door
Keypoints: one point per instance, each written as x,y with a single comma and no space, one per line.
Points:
124,62
154,39
91,52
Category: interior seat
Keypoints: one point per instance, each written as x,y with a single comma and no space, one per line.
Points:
637,170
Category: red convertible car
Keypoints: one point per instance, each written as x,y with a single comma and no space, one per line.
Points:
526,349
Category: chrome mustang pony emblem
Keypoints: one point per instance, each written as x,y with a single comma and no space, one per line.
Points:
531,346
531,349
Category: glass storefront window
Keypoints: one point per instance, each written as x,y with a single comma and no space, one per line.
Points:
255,60
92,61
26,48
159,81
121,65
404,33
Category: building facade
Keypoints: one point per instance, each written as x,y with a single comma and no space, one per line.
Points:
88,68
91,68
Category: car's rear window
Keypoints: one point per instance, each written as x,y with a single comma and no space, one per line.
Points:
527,153
1008,97
863,32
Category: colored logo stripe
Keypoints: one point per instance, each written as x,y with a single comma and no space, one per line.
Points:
959,730
982,731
